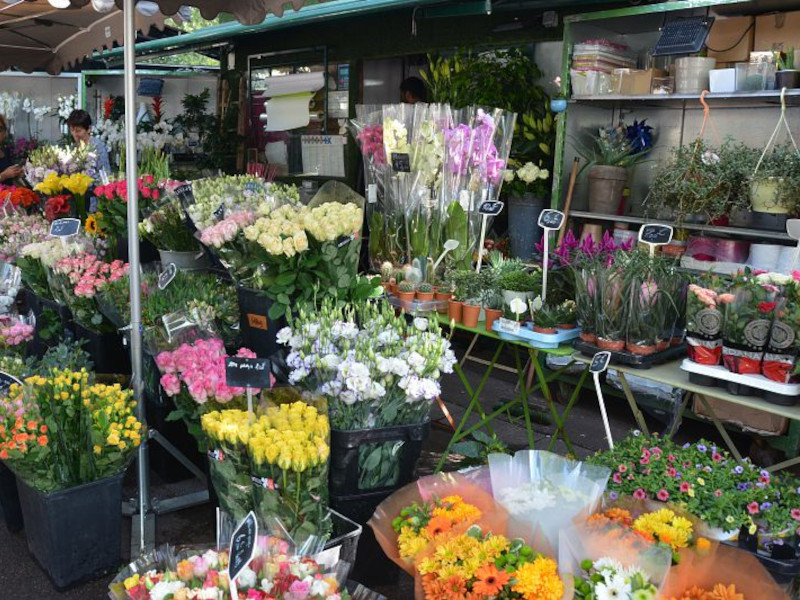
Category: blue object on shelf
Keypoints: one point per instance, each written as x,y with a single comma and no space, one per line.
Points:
150,86
537,340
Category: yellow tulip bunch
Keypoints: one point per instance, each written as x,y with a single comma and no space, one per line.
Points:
227,426
293,437
51,185
77,183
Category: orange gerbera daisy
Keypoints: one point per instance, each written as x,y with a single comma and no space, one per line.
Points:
438,525
490,581
723,592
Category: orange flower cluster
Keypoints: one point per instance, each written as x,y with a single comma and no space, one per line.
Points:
24,197
615,515
22,436
719,592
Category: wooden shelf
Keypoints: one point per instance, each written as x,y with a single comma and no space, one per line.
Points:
732,231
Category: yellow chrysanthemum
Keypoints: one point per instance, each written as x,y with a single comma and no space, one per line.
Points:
539,580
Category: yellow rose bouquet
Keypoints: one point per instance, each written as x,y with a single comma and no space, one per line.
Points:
289,452
64,430
229,463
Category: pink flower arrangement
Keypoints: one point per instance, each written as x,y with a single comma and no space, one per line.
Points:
371,140
88,274
200,367
118,190
15,333
227,229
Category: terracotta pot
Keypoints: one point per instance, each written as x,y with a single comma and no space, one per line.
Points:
615,345
587,337
641,350
443,296
387,287
662,345
676,341
545,330
392,288
424,296
567,326
454,310
491,316
405,296
470,314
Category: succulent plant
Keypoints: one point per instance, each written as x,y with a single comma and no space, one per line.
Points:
398,275
405,287
546,317
386,271
425,288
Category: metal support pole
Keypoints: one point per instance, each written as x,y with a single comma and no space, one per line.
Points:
129,53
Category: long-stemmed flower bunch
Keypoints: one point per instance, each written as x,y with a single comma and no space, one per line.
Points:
194,374
14,334
165,227
55,160
66,193
218,197
482,565
376,370
63,430
37,259
110,218
289,451
22,197
17,231
80,279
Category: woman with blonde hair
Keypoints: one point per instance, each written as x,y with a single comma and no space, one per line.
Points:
9,171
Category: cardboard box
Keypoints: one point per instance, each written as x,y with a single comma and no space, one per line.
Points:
731,40
749,419
778,31
631,82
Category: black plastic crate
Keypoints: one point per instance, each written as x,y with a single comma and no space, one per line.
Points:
372,566
345,448
259,332
628,359
74,534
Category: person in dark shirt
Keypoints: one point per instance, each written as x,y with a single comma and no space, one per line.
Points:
9,171
412,90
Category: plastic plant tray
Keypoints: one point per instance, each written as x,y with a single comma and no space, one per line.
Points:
537,340
414,307
786,394
636,361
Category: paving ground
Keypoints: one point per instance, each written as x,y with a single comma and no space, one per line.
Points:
22,579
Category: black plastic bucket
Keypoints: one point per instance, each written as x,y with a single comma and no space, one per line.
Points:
74,534
9,499
108,353
258,331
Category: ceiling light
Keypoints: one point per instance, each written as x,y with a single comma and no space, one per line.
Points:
103,6
59,3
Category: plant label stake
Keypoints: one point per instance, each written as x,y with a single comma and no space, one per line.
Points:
242,549
549,220
64,228
6,381
167,275
793,229
655,235
249,373
449,246
488,208
599,365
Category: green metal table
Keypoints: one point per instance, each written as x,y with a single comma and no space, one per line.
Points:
671,374
525,386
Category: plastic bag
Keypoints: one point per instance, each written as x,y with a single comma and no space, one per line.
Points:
544,491
726,566
402,544
704,325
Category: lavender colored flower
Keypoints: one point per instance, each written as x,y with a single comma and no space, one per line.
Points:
741,487
686,445
765,505
702,447
738,469
613,495
764,473
760,484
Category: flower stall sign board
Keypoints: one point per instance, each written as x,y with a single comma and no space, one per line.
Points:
249,373
242,549
185,194
64,228
488,208
167,275
549,220
598,365
6,381
655,235
401,162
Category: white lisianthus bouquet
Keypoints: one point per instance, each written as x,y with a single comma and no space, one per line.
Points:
217,198
376,370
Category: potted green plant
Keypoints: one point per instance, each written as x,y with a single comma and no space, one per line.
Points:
787,76
775,187
405,291
608,155
611,308
545,320
424,292
165,228
567,315
386,275
492,299
519,284
701,183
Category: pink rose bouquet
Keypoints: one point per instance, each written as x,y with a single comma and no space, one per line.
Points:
194,374
13,334
79,279
111,212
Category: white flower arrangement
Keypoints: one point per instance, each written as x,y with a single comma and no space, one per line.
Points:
10,103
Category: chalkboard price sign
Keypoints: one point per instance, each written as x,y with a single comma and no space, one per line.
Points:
185,194
600,362
243,545
65,227
401,162
551,219
6,381
220,212
247,372
655,235
491,207
167,275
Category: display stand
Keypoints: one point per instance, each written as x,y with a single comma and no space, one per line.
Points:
523,394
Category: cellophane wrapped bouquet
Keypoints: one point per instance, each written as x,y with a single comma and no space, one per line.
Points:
36,260
216,198
704,322
376,370
17,231
543,492
416,517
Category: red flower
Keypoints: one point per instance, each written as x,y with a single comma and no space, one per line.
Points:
622,468
639,494
796,514
716,457
617,478
767,307
56,206
644,461
685,487
752,508
671,458
718,493
663,495
672,472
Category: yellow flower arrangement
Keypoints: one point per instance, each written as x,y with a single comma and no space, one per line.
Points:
666,527
51,185
77,183
92,225
539,580
462,555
